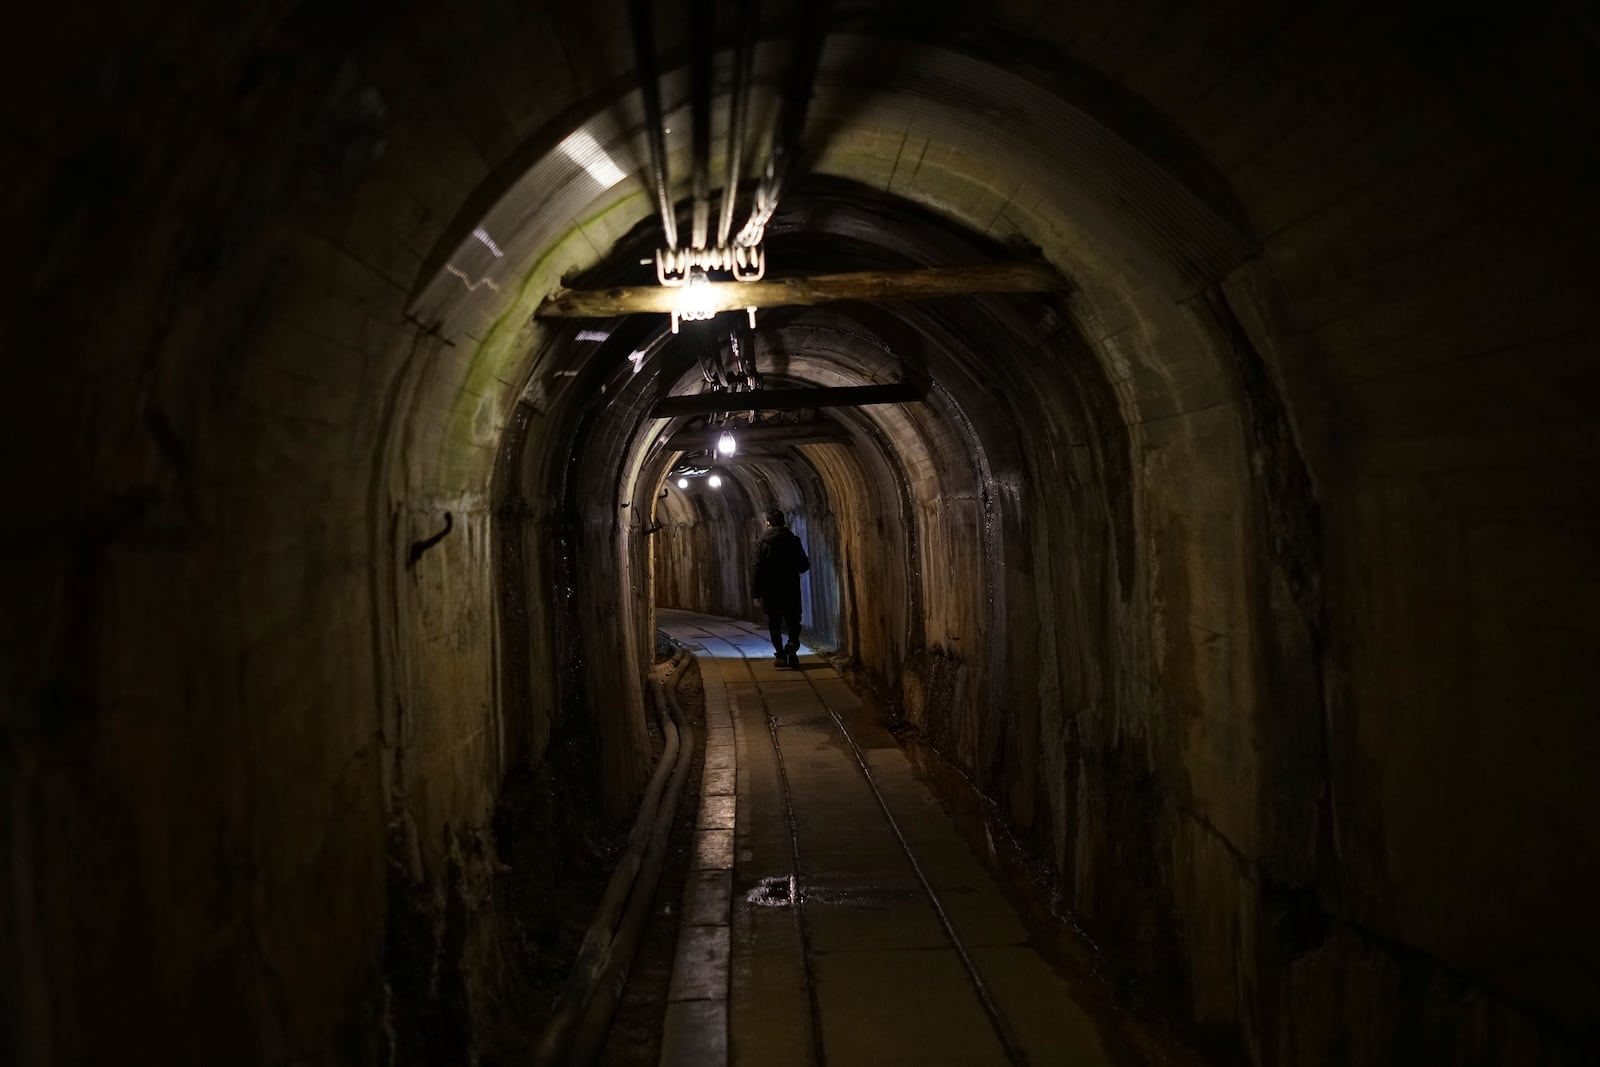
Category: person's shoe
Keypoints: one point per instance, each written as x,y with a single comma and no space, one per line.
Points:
780,660
794,661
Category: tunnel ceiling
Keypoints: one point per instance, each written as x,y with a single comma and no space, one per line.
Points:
918,155
955,346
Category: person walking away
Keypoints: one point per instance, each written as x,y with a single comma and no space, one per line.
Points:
780,561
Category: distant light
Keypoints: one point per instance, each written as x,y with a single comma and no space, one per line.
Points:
584,150
683,483
726,444
592,335
716,481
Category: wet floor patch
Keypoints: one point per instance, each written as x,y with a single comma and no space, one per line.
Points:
857,897
817,718
781,891
776,891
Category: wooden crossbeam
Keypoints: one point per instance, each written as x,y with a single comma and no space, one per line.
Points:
799,433
866,286
849,396
745,457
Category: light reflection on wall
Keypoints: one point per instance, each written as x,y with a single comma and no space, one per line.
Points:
585,151
466,279
482,235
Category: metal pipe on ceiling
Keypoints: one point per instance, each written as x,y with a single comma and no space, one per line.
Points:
738,110
700,31
640,14
810,26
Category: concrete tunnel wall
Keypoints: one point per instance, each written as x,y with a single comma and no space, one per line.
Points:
704,548
1281,662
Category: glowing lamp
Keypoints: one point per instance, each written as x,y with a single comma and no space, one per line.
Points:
694,300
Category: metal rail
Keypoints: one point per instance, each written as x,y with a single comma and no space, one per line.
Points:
1015,1053
796,880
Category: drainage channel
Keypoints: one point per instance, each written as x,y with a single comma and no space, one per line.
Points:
795,893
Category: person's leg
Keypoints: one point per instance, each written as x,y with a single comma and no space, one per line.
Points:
775,625
791,616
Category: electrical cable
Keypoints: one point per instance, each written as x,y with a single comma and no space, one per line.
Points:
644,49
700,27
738,110
805,54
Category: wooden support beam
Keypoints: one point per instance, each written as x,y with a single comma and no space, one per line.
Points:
798,433
743,457
850,396
867,286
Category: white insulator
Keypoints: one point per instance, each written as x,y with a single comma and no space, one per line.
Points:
672,266
749,264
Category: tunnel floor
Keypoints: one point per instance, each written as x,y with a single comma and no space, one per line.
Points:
834,911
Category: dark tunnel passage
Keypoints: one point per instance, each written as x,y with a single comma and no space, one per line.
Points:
1249,575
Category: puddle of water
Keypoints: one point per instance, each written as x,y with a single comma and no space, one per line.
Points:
782,890
774,891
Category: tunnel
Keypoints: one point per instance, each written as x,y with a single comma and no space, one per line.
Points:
1246,572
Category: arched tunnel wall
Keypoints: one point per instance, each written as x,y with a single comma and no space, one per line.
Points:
703,551
846,502
1269,596
704,547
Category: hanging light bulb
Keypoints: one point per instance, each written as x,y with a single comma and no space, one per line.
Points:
683,483
694,300
726,443
716,481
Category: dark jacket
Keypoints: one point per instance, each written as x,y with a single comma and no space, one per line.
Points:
780,561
